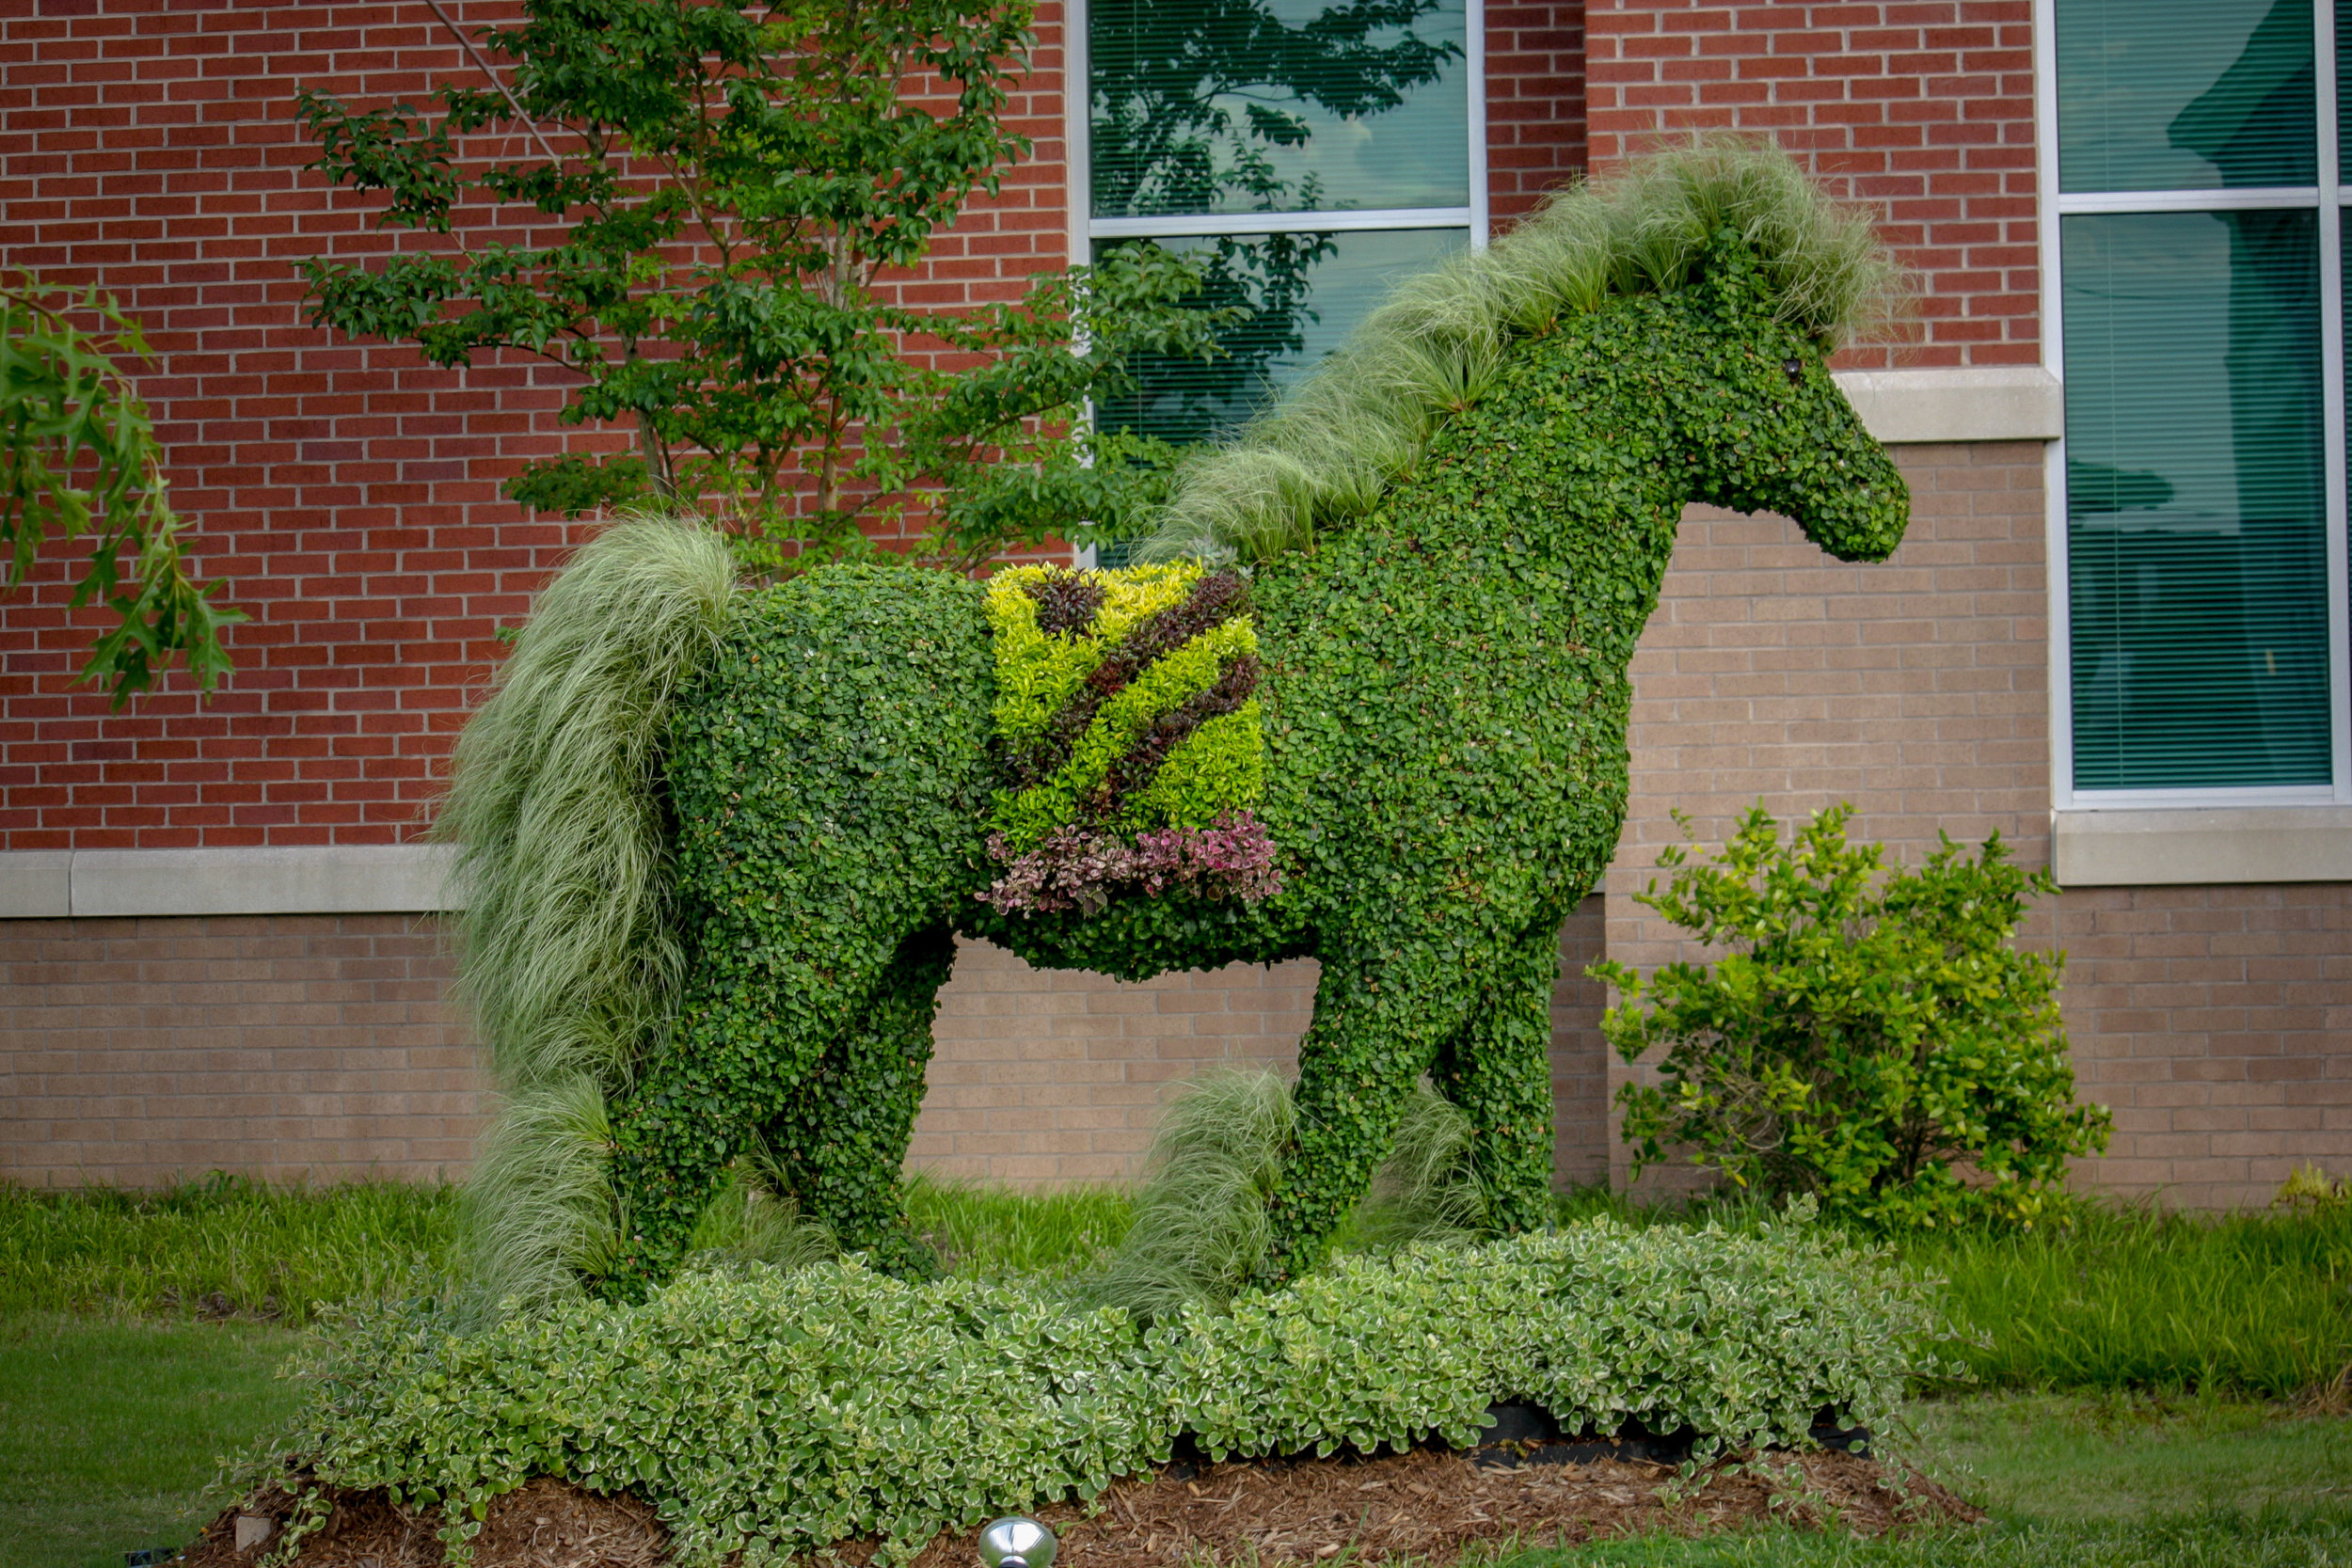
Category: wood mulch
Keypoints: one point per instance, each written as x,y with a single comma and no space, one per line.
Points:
1426,1504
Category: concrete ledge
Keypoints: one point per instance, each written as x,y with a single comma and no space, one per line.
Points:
391,879
36,884
2021,403
2204,846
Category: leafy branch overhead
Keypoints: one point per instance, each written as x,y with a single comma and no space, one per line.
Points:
78,457
732,189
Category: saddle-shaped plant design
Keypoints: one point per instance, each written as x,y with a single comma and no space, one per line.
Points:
1127,710
720,843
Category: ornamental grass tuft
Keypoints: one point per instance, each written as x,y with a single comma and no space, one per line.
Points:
1435,349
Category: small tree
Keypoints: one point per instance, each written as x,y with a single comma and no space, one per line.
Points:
1882,1044
733,184
78,456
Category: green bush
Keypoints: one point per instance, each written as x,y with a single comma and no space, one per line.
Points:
772,1414
1878,1043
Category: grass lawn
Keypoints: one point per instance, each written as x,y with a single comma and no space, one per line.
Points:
109,1429
2076,1457
115,1402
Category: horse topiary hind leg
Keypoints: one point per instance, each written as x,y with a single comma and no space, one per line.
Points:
1376,1030
738,1059
1498,1069
865,1094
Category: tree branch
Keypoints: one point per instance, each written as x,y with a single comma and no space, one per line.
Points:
504,91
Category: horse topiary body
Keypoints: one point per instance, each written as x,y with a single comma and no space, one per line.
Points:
1446,699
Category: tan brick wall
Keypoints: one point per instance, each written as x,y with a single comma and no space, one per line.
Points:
2217,1022
1054,1076
138,1051
1579,1060
1916,689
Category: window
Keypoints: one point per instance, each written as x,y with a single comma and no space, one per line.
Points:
2198,324
1309,154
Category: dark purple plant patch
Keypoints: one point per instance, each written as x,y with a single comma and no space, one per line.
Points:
1085,868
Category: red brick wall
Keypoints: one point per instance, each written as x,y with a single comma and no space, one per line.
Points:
1535,103
1924,108
347,492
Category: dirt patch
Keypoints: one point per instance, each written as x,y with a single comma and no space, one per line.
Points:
541,1524
1432,1505
1425,1504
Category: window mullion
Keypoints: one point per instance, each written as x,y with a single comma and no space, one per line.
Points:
1474,65
2332,401
2057,570
1077,96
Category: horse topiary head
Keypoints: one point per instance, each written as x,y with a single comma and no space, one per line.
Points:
1762,427
1730,237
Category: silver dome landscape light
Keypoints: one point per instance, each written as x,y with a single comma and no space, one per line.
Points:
1017,1542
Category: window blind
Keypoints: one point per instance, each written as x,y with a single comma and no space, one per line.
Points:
2196,516
2176,95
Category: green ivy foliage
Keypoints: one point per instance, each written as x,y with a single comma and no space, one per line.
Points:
774,1414
829,772
1444,696
1873,1036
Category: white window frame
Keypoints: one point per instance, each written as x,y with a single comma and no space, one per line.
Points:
1085,227
2056,206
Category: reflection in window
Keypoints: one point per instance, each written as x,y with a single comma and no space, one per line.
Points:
2158,95
1220,107
1303,293
1230,130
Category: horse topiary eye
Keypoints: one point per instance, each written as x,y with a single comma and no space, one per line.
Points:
1795,370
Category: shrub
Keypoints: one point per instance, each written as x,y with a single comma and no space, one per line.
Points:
773,1413
1879,1044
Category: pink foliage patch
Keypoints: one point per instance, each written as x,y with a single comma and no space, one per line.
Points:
1083,869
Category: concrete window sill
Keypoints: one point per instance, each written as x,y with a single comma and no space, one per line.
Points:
2201,845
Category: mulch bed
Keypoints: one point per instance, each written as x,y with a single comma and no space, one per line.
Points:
1426,1503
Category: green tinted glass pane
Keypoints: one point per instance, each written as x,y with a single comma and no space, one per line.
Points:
2344,74
2196,516
1303,293
1277,105
2157,95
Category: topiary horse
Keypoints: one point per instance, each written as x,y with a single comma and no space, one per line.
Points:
721,842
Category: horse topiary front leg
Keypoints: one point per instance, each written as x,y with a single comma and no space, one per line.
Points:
1377,1028
1498,1069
